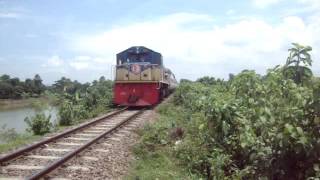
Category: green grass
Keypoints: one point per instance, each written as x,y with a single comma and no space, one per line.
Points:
18,141
159,165
154,153
44,100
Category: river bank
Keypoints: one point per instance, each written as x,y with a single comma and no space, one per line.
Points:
12,138
14,111
13,118
8,104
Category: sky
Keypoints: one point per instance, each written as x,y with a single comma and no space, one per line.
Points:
79,39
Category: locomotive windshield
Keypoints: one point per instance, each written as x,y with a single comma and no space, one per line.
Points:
139,54
138,58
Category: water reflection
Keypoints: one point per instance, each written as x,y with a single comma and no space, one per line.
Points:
14,118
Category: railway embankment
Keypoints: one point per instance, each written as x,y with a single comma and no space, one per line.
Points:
154,151
105,150
12,139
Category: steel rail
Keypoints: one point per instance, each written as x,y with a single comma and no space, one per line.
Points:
68,156
23,150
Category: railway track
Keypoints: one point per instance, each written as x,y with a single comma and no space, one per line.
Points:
38,160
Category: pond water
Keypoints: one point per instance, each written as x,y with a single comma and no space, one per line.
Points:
14,118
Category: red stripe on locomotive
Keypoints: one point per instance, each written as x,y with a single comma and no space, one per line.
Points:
136,94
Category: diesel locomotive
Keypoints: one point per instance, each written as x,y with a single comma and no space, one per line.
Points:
141,78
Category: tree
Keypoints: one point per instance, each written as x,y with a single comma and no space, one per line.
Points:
6,90
102,79
231,76
297,62
207,80
62,84
28,86
37,80
94,83
14,81
4,77
10,87
185,81
38,84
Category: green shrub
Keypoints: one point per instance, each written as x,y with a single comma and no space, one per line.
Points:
6,135
249,127
39,124
261,126
66,114
85,102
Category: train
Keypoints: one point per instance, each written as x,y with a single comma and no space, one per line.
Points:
141,78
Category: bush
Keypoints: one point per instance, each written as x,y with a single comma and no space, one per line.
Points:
39,124
85,102
249,127
66,114
260,126
6,135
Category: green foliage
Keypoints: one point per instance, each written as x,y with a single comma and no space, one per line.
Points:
83,101
17,141
39,106
296,67
157,166
316,95
185,80
39,124
209,80
299,54
155,157
6,135
65,85
10,139
66,114
257,126
250,127
13,88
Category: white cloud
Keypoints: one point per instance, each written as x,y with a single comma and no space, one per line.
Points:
54,61
247,43
78,65
77,62
304,6
80,62
311,4
89,62
9,15
264,3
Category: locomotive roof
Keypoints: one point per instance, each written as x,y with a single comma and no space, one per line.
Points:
138,49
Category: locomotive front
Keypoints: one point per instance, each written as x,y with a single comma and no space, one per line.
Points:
141,79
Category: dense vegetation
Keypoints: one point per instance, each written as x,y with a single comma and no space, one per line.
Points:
88,100
13,88
249,127
75,101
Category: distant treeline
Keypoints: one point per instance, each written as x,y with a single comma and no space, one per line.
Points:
14,88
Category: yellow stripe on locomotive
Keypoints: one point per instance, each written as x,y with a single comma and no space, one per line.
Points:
141,79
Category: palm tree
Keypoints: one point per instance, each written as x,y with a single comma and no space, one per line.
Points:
297,62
